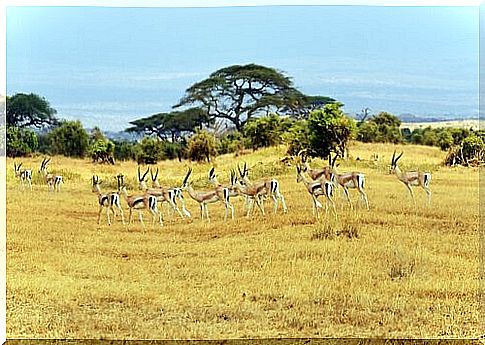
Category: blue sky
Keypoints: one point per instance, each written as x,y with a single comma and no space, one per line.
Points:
107,66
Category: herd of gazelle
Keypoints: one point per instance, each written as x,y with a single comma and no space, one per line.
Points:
317,182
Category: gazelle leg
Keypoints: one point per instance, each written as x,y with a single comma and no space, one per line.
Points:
207,212
346,191
275,203
411,193
201,211
122,215
282,198
99,213
428,193
107,215
140,217
130,218
364,197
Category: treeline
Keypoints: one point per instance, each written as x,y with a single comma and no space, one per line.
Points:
237,108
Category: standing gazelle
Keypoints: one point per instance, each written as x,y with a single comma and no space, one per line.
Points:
108,201
266,187
315,189
53,181
202,198
223,192
250,192
139,202
348,180
25,176
316,174
411,178
175,194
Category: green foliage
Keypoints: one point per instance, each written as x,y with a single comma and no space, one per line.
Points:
239,92
124,150
69,139
201,146
266,131
230,143
384,128
445,140
26,110
149,151
20,142
329,130
471,151
102,150
297,137
171,125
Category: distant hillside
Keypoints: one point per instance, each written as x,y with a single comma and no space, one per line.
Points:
474,124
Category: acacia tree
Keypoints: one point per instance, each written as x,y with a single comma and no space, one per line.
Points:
239,92
173,124
300,106
27,110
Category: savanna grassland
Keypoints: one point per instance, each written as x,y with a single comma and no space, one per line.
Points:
394,271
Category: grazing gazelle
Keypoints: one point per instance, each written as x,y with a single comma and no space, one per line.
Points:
348,180
53,181
202,198
411,178
315,189
267,187
223,192
175,191
139,202
25,176
108,201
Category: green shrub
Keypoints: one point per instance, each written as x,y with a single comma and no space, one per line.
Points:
201,146
20,142
266,131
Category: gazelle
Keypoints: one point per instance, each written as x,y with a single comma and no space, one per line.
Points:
267,187
223,192
316,174
411,178
202,198
252,193
53,181
177,192
25,176
108,201
348,180
162,194
139,202
315,189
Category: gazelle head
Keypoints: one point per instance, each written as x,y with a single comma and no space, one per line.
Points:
17,169
243,174
299,176
43,166
394,159
154,178
212,176
142,185
95,182
121,183
186,183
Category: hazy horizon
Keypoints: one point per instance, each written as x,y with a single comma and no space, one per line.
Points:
107,66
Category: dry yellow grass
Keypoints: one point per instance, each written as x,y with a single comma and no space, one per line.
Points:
395,271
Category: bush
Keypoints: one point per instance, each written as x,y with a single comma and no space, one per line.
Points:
102,150
69,139
201,146
266,131
232,142
20,142
124,150
470,152
383,128
297,137
149,151
329,130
